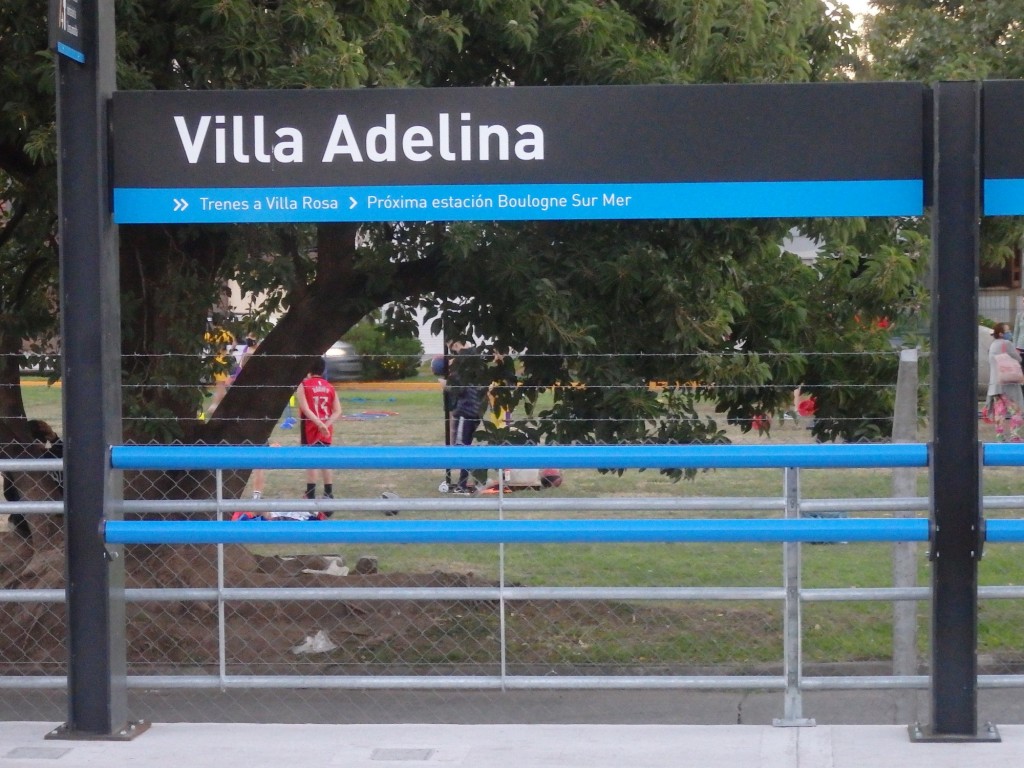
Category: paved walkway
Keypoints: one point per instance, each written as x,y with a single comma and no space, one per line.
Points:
186,745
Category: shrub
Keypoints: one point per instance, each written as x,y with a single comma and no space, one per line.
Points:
386,356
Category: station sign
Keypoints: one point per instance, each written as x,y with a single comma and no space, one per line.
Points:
1003,142
518,153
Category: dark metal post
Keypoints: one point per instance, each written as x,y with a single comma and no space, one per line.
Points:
90,333
955,471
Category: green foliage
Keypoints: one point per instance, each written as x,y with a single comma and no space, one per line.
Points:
617,319
389,352
937,40
934,40
28,199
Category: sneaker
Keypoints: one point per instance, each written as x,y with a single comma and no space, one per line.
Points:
465,490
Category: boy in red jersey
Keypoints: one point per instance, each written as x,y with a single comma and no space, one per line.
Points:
319,409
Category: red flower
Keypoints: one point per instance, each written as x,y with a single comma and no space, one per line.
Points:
760,422
807,407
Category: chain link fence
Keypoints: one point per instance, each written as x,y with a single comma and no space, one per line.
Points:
469,632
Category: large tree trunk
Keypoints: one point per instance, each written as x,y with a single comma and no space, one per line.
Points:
12,406
164,310
319,313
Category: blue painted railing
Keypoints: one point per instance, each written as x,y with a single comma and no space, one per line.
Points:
518,531
818,456
1003,531
1003,454
514,531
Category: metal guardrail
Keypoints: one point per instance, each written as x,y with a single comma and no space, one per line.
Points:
590,456
1003,454
789,530
818,456
514,531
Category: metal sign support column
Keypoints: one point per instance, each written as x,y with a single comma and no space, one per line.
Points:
955,470
90,332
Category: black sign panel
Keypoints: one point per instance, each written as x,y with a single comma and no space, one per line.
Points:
833,149
1003,142
66,29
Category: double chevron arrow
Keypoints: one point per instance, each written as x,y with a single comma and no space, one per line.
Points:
180,203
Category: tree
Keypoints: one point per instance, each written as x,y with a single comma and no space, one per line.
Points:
935,40
932,40
27,235
698,292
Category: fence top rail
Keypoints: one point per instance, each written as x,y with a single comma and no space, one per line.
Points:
513,531
817,456
31,465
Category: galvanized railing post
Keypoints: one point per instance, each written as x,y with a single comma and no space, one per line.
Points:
905,553
222,664
502,628
791,624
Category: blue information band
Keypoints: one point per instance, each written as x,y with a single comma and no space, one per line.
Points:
526,202
1004,197
72,53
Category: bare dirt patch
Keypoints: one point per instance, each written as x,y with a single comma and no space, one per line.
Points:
341,636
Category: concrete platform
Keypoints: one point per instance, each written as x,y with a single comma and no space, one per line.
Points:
190,745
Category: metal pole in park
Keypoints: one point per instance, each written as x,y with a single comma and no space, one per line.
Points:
82,34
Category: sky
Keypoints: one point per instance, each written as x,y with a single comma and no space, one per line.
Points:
858,6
